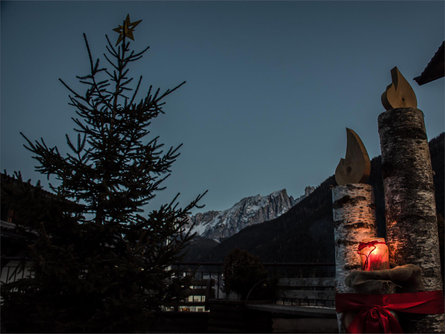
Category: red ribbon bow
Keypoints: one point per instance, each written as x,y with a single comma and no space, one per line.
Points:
374,310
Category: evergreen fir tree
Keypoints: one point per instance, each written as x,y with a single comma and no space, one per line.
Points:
103,265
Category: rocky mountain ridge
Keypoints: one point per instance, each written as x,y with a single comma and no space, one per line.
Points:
219,225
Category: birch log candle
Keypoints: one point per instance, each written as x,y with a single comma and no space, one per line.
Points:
410,210
354,220
353,213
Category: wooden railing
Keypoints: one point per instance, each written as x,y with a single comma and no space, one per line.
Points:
315,291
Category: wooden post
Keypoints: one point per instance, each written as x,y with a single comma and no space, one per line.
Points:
411,223
354,220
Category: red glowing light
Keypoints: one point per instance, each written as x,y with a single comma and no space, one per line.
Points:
374,254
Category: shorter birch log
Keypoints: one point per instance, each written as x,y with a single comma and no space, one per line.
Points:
354,220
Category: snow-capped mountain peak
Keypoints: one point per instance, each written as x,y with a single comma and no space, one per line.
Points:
251,210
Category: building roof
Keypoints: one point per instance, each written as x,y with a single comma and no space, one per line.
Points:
435,68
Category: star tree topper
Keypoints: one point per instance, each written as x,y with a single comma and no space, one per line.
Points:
127,29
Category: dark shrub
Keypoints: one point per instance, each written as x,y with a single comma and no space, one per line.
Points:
243,272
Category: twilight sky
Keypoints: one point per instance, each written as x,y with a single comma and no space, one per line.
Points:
270,88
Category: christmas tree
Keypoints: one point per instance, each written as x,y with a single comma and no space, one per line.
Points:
103,265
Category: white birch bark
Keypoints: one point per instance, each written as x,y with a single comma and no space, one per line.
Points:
354,220
411,223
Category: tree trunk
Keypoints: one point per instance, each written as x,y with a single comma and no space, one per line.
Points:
354,220
411,222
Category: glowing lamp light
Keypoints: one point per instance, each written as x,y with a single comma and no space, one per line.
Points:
374,254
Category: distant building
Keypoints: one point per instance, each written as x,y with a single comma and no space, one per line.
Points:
15,231
14,262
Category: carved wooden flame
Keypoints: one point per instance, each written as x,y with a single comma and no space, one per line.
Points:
356,167
399,94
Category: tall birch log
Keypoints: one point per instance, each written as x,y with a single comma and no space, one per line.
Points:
411,223
354,220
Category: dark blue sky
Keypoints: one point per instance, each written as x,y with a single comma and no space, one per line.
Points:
270,88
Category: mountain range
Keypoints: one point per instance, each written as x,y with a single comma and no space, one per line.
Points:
305,232
219,225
